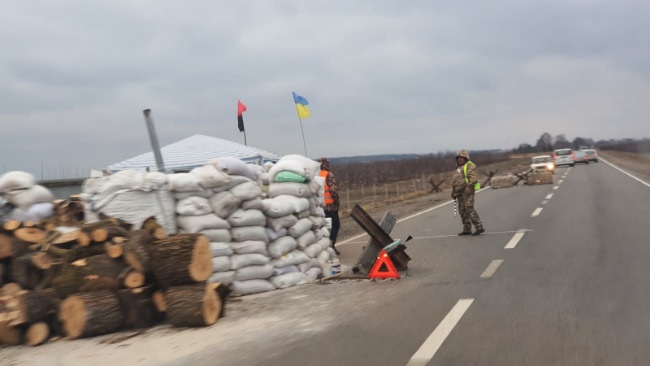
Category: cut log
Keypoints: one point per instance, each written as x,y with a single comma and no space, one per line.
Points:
130,278
37,334
99,272
81,252
159,233
90,314
159,301
9,335
194,305
68,237
103,234
11,225
23,271
30,234
114,250
137,307
182,259
138,250
36,306
42,260
12,247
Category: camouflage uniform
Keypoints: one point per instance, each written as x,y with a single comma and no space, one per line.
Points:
463,191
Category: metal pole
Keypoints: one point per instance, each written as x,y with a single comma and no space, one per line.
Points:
154,140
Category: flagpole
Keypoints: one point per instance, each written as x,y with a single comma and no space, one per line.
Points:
301,130
245,137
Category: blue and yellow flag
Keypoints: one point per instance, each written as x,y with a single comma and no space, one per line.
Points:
301,106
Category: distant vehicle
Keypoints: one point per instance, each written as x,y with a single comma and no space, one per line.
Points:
592,154
543,163
564,157
581,157
584,147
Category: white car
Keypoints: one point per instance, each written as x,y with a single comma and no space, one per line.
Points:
543,163
564,157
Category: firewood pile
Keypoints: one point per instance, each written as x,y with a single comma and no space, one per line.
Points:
102,277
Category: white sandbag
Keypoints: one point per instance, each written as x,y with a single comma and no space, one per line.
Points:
251,287
281,246
210,177
265,178
318,235
323,257
303,267
245,233
154,181
289,280
36,212
268,165
193,206
220,249
301,227
317,221
235,180
234,166
306,240
324,243
277,223
303,214
254,272
289,188
246,191
183,182
272,234
221,264
314,273
224,203
253,204
302,165
205,193
195,224
218,235
313,250
331,252
290,259
317,211
134,206
26,198
238,261
225,278
284,205
249,247
247,218
300,204
16,180
287,269
126,179
325,231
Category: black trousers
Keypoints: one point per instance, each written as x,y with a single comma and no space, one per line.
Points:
336,224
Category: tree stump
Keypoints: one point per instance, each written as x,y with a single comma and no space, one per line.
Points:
194,305
182,259
91,314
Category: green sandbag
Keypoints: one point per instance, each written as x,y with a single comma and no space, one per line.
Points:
289,176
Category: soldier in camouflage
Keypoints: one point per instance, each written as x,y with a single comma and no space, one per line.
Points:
462,190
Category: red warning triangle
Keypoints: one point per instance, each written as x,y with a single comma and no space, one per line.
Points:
383,267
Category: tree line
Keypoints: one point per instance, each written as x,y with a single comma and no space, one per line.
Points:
548,143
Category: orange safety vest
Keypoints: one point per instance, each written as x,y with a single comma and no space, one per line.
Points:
328,195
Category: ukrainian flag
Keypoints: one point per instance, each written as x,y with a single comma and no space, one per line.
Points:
301,106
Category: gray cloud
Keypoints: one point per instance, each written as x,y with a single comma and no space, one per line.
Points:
381,76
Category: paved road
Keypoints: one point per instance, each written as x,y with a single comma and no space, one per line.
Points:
561,278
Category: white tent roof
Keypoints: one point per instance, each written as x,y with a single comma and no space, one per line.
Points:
193,152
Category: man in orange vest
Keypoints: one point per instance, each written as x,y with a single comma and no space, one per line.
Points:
464,185
331,201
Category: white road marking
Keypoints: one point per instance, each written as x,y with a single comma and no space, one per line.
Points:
492,268
556,187
431,345
544,202
537,211
626,173
515,239
549,196
560,182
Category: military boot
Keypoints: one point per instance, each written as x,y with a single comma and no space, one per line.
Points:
478,231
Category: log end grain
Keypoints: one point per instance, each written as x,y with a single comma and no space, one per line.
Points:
73,315
37,334
200,268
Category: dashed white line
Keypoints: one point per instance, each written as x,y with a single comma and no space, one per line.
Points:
431,345
560,182
549,196
515,239
492,268
556,187
544,202
537,211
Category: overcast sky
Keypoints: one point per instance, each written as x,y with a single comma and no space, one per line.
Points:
381,76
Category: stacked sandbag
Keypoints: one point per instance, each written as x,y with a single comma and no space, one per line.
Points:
537,178
502,181
32,202
132,196
295,218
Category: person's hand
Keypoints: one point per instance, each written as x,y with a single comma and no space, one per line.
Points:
453,196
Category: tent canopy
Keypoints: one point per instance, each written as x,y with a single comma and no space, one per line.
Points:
193,152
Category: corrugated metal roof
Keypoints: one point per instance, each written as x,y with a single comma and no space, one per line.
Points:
195,151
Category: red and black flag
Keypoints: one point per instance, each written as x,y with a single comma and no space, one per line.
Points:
241,108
